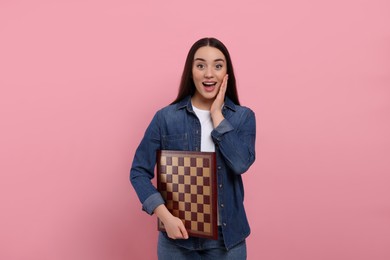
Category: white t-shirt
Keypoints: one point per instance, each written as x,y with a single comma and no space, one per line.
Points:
206,144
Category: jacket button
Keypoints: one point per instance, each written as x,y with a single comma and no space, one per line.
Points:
222,205
220,185
224,224
219,167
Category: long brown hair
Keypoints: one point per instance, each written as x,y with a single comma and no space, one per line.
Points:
187,86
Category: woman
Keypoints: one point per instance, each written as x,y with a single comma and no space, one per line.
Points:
206,116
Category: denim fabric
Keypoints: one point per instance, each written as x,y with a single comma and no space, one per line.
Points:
176,127
204,249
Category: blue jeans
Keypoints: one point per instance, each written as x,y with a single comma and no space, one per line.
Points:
202,249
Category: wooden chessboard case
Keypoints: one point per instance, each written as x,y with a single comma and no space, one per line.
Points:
187,182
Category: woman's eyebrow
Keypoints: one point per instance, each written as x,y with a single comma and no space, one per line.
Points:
216,60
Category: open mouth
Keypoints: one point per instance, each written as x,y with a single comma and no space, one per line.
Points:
209,84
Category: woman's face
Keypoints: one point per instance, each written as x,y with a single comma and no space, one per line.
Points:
208,70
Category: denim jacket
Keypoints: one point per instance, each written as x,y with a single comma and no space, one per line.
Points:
176,127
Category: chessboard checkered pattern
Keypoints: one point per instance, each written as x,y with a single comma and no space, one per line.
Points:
187,182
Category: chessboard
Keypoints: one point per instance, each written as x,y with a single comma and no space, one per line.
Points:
187,182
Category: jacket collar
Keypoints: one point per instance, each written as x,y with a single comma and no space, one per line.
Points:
186,103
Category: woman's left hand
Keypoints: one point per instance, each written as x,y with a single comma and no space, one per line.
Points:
216,107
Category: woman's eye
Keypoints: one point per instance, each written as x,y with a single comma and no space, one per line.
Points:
219,66
200,66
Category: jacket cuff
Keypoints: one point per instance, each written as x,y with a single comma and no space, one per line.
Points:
222,128
151,203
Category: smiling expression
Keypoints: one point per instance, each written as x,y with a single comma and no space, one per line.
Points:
208,71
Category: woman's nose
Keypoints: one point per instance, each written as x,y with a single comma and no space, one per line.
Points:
208,73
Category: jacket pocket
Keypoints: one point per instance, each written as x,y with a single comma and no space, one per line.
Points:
175,142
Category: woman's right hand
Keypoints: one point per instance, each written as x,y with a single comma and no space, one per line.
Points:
175,228
173,225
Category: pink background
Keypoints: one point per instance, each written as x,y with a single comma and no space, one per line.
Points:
80,81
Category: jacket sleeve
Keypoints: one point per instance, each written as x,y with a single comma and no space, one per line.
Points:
142,169
237,144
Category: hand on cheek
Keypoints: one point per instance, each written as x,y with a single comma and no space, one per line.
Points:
216,107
